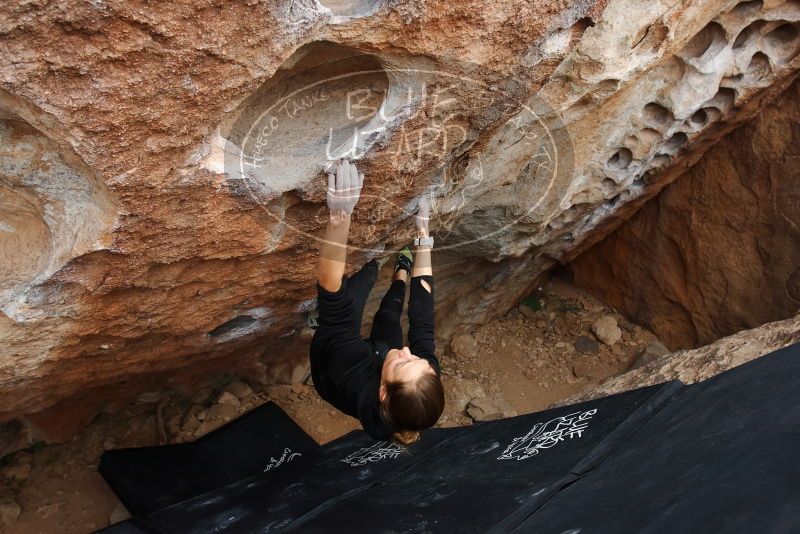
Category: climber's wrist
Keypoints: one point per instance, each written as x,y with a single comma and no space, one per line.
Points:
338,217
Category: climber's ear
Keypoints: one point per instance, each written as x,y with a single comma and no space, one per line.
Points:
382,393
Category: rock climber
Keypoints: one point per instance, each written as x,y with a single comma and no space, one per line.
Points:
393,389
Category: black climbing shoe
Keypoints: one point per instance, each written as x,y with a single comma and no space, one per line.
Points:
405,260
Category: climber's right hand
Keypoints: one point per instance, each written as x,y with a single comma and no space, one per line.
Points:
344,189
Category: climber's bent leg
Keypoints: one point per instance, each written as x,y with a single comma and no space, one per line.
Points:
360,285
386,325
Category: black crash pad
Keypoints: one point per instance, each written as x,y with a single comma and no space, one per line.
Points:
722,457
719,456
148,479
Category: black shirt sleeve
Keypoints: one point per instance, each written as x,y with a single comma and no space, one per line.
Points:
421,339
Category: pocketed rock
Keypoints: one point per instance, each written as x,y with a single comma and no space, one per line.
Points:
606,330
489,409
650,353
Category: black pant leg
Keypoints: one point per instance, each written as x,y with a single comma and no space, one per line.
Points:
386,325
360,285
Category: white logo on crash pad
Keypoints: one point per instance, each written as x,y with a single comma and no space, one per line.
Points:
286,457
374,453
547,435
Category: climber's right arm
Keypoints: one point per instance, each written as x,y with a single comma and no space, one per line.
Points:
344,190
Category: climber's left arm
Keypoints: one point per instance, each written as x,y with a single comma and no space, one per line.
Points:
344,190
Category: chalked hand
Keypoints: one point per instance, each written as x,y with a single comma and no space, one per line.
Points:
344,189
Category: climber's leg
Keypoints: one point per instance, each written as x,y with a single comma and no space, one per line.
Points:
386,325
360,285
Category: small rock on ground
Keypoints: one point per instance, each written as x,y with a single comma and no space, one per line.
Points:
228,398
587,345
651,352
489,409
240,390
606,330
464,346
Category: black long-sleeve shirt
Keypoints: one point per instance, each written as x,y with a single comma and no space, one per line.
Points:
346,369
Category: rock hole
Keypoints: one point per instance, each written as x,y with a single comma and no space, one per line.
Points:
724,99
660,160
657,115
674,143
577,29
747,9
620,160
229,328
320,105
612,202
713,114
759,67
706,44
351,8
608,186
747,35
699,117
783,43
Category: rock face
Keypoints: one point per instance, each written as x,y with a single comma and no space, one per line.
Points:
163,164
717,251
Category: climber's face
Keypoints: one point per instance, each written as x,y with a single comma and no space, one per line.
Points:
402,366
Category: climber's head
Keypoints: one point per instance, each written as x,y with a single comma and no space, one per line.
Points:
411,394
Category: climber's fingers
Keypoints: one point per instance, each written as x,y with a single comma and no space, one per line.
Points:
343,176
353,180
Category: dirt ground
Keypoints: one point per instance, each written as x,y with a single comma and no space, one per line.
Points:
519,364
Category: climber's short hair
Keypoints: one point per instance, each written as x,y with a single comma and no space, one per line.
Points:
412,406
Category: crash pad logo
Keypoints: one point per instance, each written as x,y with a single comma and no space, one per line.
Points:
375,453
546,435
285,458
